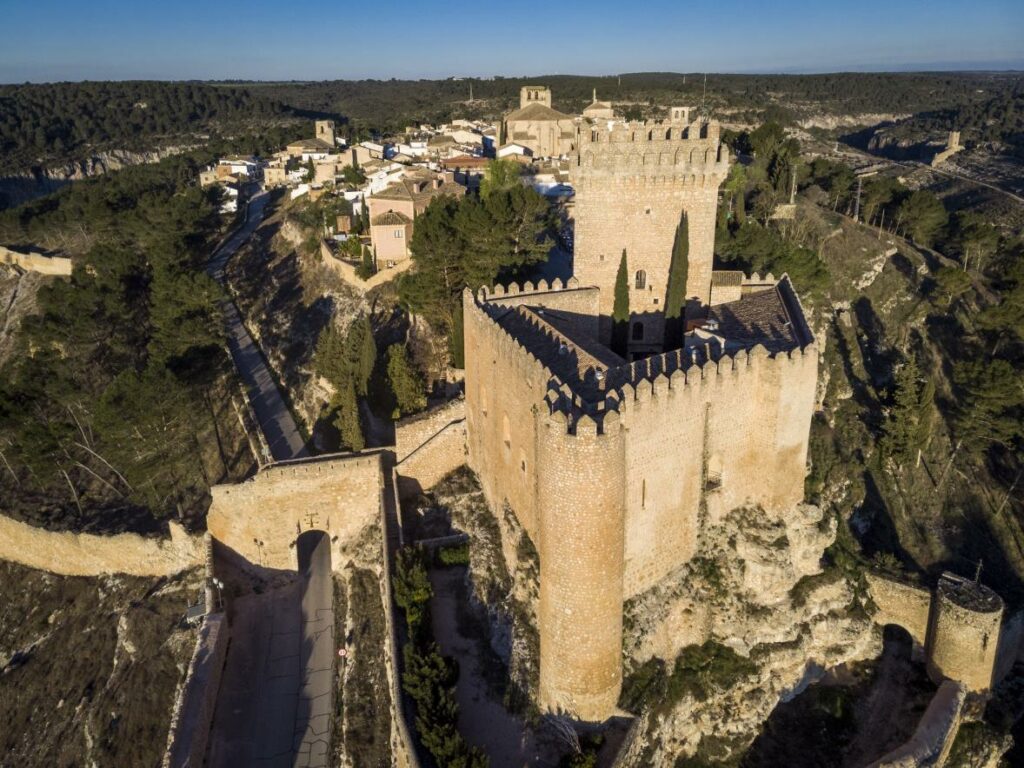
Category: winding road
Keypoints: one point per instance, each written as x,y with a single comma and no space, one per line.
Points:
282,434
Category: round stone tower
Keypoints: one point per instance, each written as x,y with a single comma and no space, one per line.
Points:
964,633
581,538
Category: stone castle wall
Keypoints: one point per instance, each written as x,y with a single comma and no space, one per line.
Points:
632,185
716,437
503,385
964,640
629,484
86,554
36,262
904,605
429,446
260,518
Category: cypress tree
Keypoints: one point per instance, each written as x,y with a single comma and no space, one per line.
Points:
456,342
360,353
365,269
675,295
620,309
405,381
347,418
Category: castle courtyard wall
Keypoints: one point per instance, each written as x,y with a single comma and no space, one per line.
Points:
261,518
429,446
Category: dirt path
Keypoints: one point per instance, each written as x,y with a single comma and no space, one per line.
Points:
483,721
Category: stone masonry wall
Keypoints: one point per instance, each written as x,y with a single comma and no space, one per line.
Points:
85,554
904,605
193,713
261,518
722,436
429,446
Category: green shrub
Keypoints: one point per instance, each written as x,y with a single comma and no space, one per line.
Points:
457,554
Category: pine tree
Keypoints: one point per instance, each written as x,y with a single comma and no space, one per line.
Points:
405,381
347,418
675,295
620,309
909,423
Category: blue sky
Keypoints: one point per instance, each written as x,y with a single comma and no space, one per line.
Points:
46,40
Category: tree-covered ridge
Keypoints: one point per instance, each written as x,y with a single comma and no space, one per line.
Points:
390,105
997,119
42,124
110,401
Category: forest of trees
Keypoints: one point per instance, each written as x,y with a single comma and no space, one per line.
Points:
111,386
390,105
42,124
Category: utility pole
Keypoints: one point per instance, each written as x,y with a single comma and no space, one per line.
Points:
856,204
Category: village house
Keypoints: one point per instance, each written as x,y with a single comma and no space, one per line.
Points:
408,196
309,149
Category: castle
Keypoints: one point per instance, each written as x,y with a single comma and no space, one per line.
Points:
613,465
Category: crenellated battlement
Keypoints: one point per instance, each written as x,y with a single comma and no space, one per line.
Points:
653,148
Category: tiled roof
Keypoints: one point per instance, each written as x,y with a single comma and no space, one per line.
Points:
536,112
311,144
390,219
769,317
406,188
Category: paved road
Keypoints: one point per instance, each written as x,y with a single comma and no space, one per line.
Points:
276,421
254,721
316,696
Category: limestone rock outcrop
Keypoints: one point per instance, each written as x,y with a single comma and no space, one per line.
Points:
758,589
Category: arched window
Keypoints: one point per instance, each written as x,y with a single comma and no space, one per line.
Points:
638,331
641,279
506,432
713,481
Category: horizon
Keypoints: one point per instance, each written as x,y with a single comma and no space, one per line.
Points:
61,41
1010,68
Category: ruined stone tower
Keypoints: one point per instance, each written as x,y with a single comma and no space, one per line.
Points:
632,184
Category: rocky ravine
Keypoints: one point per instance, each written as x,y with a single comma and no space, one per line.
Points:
758,589
20,187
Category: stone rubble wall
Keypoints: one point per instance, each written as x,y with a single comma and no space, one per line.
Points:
193,710
85,554
429,446
929,746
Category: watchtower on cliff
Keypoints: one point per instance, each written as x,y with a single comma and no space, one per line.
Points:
633,183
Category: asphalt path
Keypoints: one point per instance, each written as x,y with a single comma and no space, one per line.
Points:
282,434
316,695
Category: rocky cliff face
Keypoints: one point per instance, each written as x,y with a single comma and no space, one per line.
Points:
759,590
20,187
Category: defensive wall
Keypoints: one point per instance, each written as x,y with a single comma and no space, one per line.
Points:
935,732
260,518
429,446
36,262
633,182
958,625
193,709
86,554
611,475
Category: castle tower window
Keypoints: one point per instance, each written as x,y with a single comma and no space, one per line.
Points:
638,331
506,432
713,480
483,400
641,279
